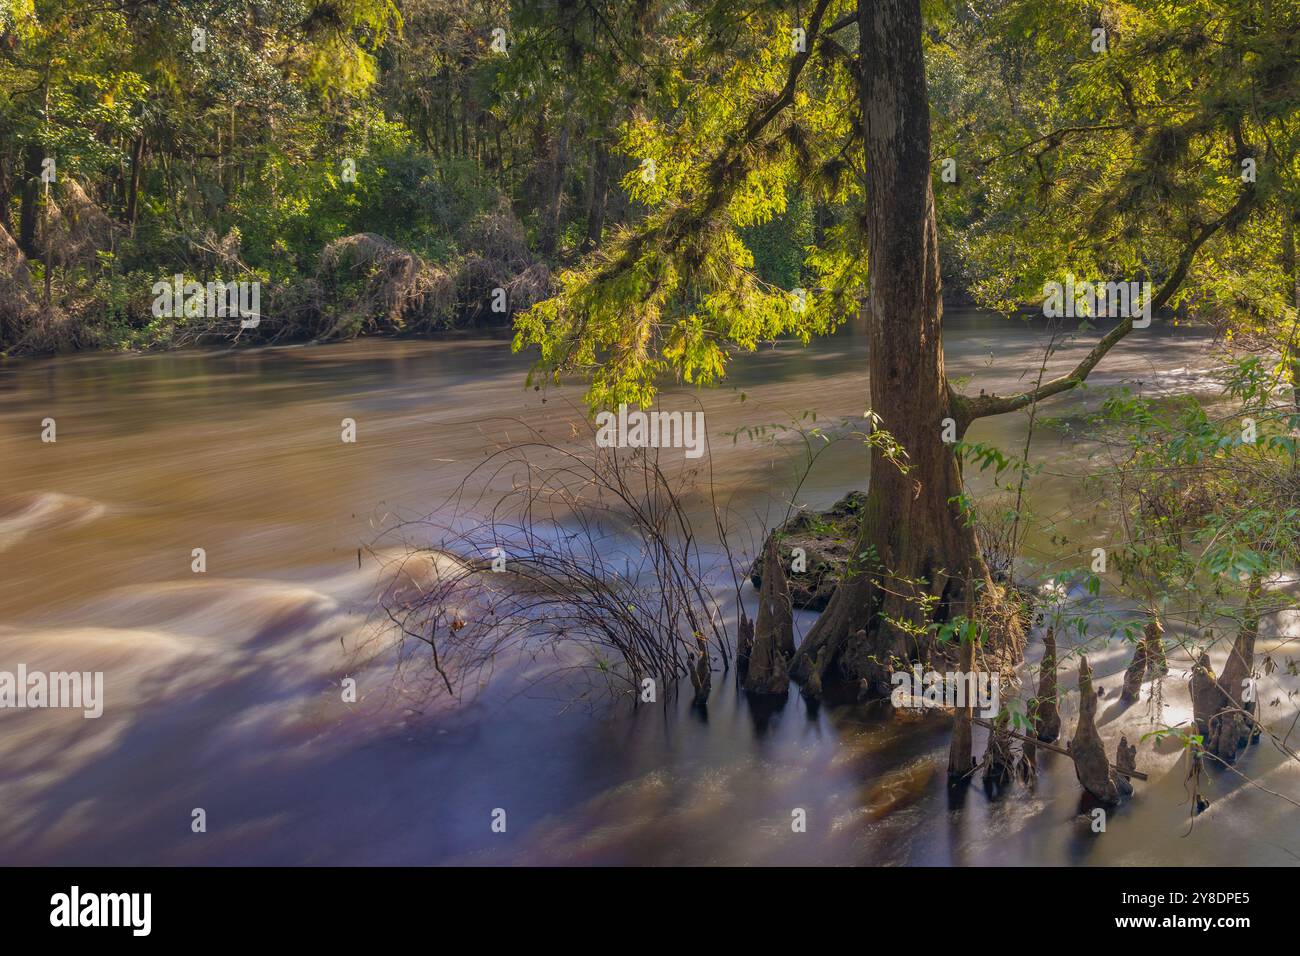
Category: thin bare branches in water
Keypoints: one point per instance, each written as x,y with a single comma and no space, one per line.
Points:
587,556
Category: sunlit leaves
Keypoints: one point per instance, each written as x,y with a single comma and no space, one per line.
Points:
1107,164
680,290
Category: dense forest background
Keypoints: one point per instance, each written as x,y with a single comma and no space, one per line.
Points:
377,166
388,165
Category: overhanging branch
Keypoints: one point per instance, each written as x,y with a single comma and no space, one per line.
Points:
726,168
967,409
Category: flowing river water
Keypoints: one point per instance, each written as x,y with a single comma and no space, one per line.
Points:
222,689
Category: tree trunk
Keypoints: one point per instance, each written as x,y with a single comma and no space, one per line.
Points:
915,543
448,122
133,189
29,206
9,175
599,199
1291,289
464,118
548,240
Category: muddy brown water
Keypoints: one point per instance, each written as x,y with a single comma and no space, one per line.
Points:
222,688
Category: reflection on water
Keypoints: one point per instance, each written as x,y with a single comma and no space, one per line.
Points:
223,689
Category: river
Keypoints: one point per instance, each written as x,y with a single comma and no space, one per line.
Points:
223,688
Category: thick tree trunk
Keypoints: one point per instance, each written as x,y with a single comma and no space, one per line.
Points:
915,544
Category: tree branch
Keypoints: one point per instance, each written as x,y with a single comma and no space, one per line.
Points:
967,409
724,169
847,20
1053,139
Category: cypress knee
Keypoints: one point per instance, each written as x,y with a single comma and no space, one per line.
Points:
1157,663
775,610
773,630
1206,695
1047,719
998,760
1125,759
701,674
1090,763
744,644
1231,726
960,759
1135,673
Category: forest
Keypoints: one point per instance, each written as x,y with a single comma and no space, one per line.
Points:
1049,246
382,167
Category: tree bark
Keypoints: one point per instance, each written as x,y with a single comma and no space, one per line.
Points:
961,761
599,199
1291,289
1207,698
549,234
773,630
1231,728
1090,763
29,207
1047,715
133,189
1148,660
775,621
914,543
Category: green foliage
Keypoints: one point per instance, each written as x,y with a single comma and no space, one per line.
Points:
1119,164
1133,150
780,245
1207,496
1069,161
961,628
677,293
